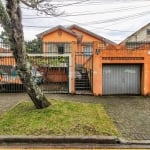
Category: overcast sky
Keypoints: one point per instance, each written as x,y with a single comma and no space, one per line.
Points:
113,19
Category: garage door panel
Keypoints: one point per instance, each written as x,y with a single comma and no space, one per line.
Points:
121,79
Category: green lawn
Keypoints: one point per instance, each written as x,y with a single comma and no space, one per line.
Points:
62,118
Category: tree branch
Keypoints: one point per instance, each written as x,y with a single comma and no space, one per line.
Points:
29,4
42,6
5,20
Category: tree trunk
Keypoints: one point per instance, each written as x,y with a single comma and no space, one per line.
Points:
18,46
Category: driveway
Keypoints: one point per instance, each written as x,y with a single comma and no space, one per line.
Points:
131,114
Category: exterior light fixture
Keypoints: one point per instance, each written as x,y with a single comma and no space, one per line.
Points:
97,51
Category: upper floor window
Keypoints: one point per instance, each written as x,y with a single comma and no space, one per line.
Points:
60,49
57,47
87,49
148,32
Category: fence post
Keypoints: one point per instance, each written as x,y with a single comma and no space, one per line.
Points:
74,48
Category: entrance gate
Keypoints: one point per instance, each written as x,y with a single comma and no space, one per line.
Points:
83,69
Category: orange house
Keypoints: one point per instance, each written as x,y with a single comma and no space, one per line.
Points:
75,60
78,45
98,65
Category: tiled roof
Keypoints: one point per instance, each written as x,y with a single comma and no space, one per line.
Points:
55,29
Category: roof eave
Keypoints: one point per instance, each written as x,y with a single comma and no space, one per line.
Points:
92,34
41,35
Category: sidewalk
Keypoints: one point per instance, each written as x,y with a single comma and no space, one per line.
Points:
60,142
9,100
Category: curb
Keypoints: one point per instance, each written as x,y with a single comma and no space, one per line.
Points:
59,140
134,142
139,142
72,141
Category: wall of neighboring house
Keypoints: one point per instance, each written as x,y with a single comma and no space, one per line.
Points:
6,64
8,61
141,35
8,73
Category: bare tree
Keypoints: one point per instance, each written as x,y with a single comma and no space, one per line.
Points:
11,20
42,6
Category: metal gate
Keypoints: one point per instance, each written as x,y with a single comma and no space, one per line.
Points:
9,79
121,79
84,69
52,73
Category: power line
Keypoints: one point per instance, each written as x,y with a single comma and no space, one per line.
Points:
97,22
92,13
29,26
123,21
60,5
70,4
104,27
118,18
114,30
110,20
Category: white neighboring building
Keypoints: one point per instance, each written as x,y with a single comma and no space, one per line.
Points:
139,37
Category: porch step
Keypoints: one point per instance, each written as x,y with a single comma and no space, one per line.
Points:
82,81
83,87
85,82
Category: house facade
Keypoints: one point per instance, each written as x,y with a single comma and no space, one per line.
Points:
75,60
98,65
77,44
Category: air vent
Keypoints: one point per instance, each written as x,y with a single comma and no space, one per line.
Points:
123,58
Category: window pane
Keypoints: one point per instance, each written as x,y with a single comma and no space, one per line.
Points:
60,50
148,31
87,49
